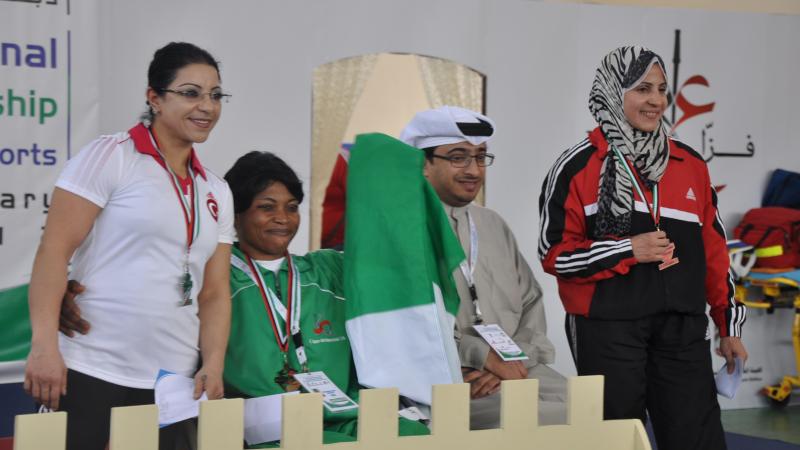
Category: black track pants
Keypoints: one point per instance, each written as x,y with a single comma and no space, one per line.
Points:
658,366
88,405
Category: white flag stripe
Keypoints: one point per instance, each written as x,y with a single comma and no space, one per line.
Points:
372,334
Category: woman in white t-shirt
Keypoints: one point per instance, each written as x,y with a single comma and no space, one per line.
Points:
149,231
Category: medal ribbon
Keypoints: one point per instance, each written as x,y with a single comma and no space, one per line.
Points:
468,267
191,211
655,211
276,310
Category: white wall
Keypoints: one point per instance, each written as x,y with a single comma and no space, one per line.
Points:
539,59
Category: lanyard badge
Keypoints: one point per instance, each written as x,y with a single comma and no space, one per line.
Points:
493,334
501,342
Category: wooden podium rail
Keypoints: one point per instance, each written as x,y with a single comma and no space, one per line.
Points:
221,423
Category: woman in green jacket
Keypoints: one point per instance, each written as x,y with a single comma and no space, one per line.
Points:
269,285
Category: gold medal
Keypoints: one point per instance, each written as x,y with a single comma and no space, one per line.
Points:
285,379
668,260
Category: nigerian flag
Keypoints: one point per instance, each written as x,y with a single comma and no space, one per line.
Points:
15,333
400,253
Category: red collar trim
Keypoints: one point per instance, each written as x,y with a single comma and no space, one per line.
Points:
141,140
598,140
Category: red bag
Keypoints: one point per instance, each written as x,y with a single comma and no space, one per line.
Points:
775,233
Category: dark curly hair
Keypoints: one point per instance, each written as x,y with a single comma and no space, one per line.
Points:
254,172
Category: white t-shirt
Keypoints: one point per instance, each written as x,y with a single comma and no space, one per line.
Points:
132,261
273,265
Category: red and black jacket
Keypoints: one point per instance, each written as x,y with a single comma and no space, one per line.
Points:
599,277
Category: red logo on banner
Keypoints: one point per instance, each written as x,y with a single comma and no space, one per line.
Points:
690,109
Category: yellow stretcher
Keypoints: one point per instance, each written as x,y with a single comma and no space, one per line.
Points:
778,289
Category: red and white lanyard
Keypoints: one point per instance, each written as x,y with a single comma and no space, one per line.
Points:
191,216
276,310
655,210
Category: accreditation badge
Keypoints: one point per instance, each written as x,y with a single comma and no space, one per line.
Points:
500,342
332,397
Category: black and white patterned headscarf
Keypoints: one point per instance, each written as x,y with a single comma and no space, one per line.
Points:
620,71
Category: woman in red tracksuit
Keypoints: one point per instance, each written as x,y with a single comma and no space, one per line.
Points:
629,226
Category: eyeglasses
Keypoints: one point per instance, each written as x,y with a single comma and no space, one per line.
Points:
461,161
195,96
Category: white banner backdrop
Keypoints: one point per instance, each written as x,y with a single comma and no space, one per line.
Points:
48,108
539,59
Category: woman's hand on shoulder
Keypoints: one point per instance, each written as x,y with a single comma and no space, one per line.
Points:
209,381
46,375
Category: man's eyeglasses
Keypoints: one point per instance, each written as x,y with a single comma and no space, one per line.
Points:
461,161
195,96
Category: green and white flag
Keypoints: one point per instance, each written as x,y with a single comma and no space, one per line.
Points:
400,253
15,333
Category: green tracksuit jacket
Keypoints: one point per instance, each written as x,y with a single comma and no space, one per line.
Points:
253,358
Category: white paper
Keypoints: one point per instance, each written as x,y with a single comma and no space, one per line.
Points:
412,413
262,418
174,395
502,344
332,397
728,383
